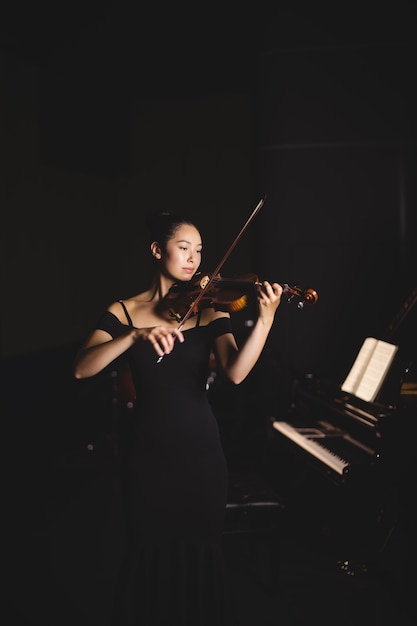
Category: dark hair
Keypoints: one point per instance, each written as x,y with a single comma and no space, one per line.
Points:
163,226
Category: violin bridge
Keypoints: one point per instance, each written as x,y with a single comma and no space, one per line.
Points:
204,281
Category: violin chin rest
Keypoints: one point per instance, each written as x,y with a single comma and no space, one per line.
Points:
176,315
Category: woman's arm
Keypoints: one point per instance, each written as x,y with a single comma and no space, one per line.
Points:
100,350
237,363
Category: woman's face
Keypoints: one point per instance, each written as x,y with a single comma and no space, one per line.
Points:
182,256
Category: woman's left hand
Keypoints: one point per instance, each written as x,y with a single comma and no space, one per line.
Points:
269,298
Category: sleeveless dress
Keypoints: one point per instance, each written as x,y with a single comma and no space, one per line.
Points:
175,486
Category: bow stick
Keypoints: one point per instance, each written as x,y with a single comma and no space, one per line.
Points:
220,265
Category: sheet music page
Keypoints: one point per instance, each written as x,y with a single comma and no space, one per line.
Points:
359,366
376,371
369,369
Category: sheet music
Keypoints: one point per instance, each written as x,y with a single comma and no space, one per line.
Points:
370,369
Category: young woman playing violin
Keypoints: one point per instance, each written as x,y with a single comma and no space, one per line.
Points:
174,572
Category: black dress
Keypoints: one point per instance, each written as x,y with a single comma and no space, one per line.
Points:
174,573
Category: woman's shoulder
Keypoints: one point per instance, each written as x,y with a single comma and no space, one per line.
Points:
117,309
133,303
209,314
111,322
217,323
136,310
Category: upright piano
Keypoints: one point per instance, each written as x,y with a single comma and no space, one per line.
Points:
348,465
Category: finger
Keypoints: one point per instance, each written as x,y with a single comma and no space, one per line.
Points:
157,339
166,343
265,291
178,334
168,340
156,346
277,289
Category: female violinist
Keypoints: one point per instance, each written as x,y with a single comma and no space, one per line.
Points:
174,571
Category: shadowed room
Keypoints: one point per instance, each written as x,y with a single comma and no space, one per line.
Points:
112,113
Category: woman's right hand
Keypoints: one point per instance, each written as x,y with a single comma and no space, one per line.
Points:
163,338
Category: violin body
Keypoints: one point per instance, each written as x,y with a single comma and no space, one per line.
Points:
227,294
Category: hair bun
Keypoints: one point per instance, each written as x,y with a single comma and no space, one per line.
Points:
163,225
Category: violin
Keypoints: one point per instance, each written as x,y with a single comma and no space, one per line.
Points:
229,294
186,298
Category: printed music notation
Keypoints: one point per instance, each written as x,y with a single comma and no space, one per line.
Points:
370,368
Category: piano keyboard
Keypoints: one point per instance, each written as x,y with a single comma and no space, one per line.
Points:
307,438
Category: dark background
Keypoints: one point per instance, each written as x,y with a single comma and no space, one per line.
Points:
112,111
115,111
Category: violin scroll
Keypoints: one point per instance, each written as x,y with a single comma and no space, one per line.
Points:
303,296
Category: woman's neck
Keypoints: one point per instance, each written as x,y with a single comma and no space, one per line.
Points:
161,285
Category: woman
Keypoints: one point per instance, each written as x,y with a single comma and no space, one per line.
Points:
177,475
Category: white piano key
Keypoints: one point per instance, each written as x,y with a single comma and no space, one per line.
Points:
308,440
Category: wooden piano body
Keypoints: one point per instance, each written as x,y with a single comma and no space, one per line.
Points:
346,467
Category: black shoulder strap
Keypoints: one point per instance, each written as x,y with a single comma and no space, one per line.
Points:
126,313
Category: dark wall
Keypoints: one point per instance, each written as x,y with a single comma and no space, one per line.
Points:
336,153
109,116
107,119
